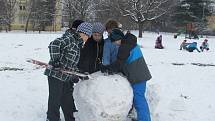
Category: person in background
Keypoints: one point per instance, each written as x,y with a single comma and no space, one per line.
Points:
64,55
130,61
190,47
128,32
205,45
158,43
183,44
92,52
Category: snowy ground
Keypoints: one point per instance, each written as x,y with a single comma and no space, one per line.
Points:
185,86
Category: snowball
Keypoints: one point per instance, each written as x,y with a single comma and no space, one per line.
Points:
103,98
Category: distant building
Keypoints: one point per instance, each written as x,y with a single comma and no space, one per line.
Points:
211,19
211,22
22,11
20,15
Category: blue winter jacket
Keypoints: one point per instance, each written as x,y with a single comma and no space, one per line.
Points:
136,69
110,52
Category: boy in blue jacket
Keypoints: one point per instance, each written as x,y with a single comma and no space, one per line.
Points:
110,49
131,63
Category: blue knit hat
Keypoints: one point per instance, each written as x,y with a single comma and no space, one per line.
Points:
116,35
98,27
85,28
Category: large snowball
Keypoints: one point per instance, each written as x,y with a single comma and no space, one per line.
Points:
103,98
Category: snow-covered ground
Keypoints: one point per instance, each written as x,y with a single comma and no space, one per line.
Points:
183,81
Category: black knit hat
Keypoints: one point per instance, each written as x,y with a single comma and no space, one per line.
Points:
116,35
76,23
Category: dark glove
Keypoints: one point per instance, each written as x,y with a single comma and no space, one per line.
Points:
55,65
74,79
84,77
104,68
107,69
111,70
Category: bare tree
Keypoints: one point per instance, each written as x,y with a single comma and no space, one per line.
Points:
2,14
31,7
41,14
142,11
107,9
7,13
78,9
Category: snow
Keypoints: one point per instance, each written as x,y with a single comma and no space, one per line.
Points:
178,91
103,98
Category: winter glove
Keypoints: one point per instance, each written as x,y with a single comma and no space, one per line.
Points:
115,67
107,70
111,70
104,68
55,65
84,77
74,79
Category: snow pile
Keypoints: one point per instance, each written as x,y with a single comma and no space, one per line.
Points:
103,98
152,96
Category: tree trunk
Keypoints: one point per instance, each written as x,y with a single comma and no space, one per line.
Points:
140,24
33,26
26,25
28,19
9,27
6,29
29,15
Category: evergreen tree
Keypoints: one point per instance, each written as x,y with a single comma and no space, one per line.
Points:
192,11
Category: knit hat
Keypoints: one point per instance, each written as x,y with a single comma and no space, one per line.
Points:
98,28
85,28
116,35
76,23
111,24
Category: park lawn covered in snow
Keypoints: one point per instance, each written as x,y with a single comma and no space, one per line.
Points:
184,81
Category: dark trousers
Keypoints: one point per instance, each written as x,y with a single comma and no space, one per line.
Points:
190,49
60,95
